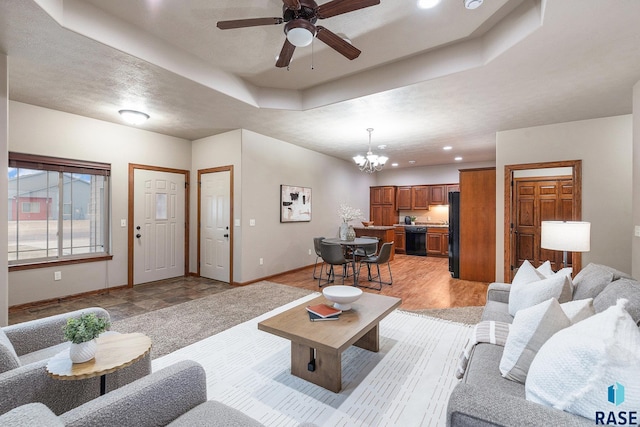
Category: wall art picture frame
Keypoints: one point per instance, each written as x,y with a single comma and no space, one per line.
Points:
295,203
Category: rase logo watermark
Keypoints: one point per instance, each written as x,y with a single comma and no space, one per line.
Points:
615,396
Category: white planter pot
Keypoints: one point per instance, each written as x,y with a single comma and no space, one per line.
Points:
344,230
83,352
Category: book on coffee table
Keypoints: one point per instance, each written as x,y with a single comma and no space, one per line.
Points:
315,318
323,310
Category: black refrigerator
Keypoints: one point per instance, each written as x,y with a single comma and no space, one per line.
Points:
454,233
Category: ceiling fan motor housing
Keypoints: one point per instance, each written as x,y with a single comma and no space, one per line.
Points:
308,11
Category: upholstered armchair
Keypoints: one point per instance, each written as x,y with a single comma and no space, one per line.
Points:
25,349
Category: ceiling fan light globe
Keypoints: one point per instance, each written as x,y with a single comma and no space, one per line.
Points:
300,37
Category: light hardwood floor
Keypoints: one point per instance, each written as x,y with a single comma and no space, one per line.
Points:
421,282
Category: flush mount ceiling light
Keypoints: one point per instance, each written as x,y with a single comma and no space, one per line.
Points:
300,32
134,117
428,4
372,162
472,4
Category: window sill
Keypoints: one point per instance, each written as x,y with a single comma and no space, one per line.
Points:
55,263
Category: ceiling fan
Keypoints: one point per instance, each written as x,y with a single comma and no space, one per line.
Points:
300,17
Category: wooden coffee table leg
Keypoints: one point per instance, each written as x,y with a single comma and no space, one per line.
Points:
328,367
370,341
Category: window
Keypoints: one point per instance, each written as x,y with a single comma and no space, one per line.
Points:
58,209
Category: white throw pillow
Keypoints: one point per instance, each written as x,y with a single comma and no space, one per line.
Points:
526,274
575,368
545,269
530,329
578,310
523,295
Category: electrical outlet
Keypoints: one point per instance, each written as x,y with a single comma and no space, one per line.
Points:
309,251
636,231
261,261
57,275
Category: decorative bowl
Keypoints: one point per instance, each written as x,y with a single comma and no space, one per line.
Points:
367,223
342,296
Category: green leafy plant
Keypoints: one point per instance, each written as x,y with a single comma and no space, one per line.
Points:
84,328
413,218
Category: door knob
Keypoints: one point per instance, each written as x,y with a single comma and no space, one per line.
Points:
138,228
138,235
226,235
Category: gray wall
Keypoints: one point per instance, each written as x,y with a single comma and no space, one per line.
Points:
66,135
605,148
4,185
440,174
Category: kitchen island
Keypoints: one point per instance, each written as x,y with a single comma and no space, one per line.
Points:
383,233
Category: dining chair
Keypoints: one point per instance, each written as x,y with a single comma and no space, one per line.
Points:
365,251
332,255
383,257
316,247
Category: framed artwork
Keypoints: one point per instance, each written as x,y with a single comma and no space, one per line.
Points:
295,203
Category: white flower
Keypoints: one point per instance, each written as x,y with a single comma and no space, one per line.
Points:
347,213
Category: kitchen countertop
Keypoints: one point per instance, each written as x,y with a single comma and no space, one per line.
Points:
418,224
373,227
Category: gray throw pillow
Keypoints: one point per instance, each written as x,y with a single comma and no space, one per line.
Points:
623,288
8,358
590,281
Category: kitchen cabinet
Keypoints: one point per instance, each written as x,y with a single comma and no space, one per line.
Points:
437,241
420,197
399,240
403,198
438,195
382,206
478,224
453,187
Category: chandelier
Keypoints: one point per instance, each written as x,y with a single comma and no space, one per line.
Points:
372,162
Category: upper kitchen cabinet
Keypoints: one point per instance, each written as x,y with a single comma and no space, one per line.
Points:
420,197
453,187
438,195
403,198
382,205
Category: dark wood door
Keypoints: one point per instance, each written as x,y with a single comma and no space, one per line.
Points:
537,200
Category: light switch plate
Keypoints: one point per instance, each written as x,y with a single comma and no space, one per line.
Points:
236,223
252,222
636,231
123,223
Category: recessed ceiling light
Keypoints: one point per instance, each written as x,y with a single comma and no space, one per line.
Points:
447,148
457,159
395,165
382,147
428,4
134,117
472,4
412,162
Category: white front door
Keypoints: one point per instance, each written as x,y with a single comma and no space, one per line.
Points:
159,225
215,233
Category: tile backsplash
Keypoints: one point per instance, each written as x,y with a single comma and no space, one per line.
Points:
436,214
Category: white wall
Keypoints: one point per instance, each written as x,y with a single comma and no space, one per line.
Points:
605,147
48,132
268,163
440,174
4,189
635,268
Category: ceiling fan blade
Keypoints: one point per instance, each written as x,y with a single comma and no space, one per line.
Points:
292,4
337,43
338,7
242,23
285,54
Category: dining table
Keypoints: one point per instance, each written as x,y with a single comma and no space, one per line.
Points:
352,244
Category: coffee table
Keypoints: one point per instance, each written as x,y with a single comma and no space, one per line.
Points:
115,351
316,347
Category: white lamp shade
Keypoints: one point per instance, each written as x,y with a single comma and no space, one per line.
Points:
300,37
569,236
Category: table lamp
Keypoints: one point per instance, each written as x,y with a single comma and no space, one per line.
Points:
566,236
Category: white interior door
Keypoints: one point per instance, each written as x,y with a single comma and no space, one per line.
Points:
215,218
159,225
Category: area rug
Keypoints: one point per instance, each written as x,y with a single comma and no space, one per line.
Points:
407,383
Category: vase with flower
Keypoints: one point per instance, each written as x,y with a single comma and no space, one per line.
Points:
347,213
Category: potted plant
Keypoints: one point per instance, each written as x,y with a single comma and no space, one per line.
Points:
82,332
347,213
413,220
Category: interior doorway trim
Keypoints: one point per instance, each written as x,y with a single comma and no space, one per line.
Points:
201,172
509,209
130,220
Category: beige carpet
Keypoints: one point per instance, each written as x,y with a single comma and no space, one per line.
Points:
407,383
177,326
